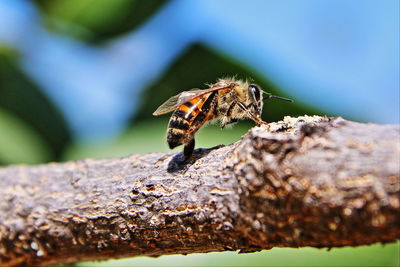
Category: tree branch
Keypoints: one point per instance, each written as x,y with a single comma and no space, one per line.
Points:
307,181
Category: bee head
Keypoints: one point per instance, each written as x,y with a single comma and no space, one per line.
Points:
256,98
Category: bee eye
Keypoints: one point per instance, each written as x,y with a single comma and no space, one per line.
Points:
255,92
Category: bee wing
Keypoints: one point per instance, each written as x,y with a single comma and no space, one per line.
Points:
168,106
172,103
177,100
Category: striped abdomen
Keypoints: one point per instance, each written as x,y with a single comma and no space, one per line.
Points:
188,118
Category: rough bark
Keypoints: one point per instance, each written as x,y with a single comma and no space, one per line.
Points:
307,181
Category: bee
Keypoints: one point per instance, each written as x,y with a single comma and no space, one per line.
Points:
227,101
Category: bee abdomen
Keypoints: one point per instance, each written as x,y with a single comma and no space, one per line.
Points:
174,138
186,120
177,131
178,123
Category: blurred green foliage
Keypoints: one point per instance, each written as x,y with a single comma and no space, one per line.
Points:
19,142
96,21
375,255
36,116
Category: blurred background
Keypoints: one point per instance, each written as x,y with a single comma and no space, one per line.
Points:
80,78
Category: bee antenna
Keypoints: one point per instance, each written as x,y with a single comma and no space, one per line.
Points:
278,97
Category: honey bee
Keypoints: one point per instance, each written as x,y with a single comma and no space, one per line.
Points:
228,100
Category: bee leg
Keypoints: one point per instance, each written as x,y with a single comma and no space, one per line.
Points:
251,115
188,150
228,115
